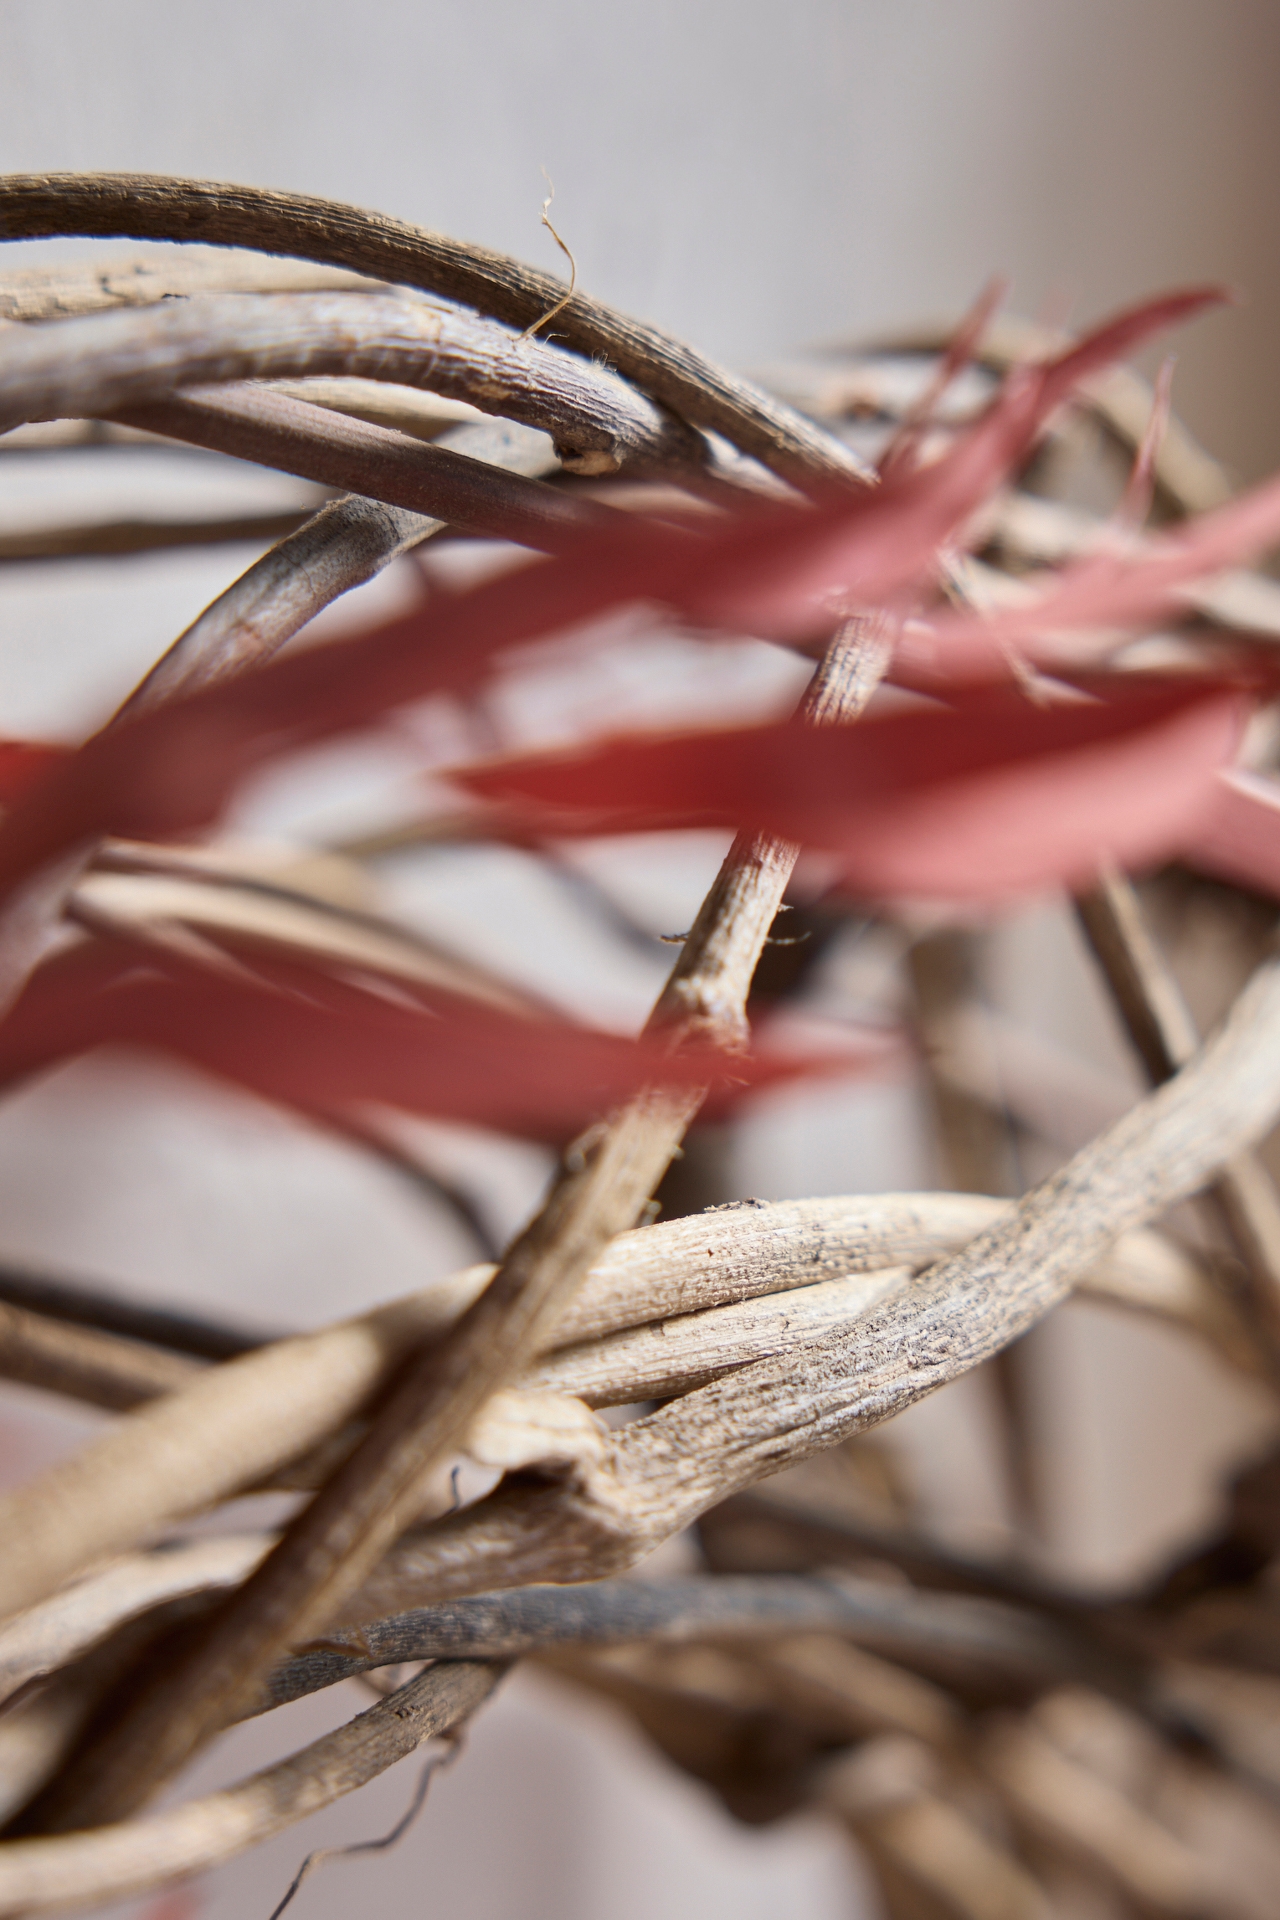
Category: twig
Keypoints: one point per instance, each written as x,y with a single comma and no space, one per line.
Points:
86,1305
975,1135
1072,1806
239,1426
150,207
424,416
335,1543
67,1625
943,1630
889,1794
1191,479
672,1356
109,362
369,1130
271,430
345,544
980,1153
1028,528
99,539
142,280
765,1531
287,922
104,1369
41,1876
873,1694
322,1855
1162,1030
707,991
661,1472
76,436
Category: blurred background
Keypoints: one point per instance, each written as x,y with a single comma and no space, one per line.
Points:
759,178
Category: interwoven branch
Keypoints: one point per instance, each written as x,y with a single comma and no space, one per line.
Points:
337,1541
150,207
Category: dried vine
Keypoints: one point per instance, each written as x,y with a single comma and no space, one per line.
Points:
767,1334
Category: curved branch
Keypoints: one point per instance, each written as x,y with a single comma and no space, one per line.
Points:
153,207
111,1863
342,546
107,362
68,1624
103,1369
141,280
239,1424
661,1472
315,443
99,539
944,1628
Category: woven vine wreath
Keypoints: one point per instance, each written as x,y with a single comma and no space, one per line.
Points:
1009,695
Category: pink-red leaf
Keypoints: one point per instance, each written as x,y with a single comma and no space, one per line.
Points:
1118,590
991,797
1238,838
772,571
314,1043
22,762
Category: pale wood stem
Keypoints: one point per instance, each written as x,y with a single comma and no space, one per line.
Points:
1164,1034
107,362
152,207
336,1542
43,1876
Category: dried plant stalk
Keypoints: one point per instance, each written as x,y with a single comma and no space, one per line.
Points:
93,539
147,207
142,280
346,543
109,363
315,443
661,1472
242,1424
336,1542
42,1876
1164,1034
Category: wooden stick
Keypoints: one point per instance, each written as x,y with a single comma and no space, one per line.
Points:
152,207
69,1623
271,430
1070,1805
423,415
109,362
241,1425
101,539
1160,1025
142,280
43,1876
342,546
979,1153
1189,477
1028,528
890,1795
253,917
661,1472
103,1369
86,1304
334,1544
941,1630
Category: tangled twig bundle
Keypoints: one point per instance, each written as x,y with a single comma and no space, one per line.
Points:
1087,693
